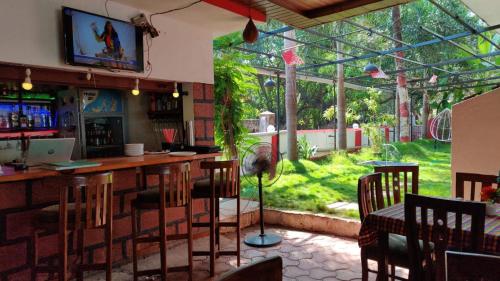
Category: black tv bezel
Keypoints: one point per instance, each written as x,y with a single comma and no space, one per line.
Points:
68,42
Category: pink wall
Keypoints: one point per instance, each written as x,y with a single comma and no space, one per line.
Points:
476,135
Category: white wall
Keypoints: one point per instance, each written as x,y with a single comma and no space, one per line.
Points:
31,32
476,135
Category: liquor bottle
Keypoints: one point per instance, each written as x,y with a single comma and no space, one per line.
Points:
37,120
30,117
4,120
23,118
152,106
14,117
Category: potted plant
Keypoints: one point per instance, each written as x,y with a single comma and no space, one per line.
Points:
492,198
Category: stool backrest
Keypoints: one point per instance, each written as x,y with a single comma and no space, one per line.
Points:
93,200
392,181
229,176
180,184
473,179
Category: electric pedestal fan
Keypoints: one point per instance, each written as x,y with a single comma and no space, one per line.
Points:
262,166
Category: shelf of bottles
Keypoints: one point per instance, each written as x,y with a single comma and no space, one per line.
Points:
26,112
164,106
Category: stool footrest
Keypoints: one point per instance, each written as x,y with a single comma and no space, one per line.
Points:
228,253
46,268
156,271
200,224
228,224
201,253
152,239
92,267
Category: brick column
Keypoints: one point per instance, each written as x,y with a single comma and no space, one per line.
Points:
203,102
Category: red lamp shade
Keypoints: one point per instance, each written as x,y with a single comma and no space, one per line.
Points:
250,34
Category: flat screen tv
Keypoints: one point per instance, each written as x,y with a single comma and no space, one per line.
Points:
98,41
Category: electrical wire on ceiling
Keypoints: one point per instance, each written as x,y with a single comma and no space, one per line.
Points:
172,10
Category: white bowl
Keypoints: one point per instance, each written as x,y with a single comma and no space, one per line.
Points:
134,149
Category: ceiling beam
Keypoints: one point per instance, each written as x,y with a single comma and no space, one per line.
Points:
336,8
238,8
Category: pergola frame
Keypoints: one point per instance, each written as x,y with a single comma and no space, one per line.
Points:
418,83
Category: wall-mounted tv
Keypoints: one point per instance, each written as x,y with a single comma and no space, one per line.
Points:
98,41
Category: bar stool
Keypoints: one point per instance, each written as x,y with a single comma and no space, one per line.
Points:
177,194
92,209
225,184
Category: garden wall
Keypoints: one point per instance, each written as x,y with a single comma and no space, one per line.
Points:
324,138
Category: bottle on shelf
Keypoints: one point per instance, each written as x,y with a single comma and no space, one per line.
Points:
37,120
14,117
23,118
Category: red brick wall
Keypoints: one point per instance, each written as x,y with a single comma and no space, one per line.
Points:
19,201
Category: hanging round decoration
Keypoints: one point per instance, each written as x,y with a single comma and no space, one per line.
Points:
441,126
251,33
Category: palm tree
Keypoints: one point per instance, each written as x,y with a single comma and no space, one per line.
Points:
291,101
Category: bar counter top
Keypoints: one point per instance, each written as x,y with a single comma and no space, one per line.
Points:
108,164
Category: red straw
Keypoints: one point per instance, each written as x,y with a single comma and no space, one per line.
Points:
169,135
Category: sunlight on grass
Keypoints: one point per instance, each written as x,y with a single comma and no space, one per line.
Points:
312,185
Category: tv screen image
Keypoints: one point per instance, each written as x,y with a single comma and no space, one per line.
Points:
99,41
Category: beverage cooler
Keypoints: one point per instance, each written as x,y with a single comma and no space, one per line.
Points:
27,113
96,118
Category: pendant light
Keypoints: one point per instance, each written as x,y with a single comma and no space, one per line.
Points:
27,81
135,90
175,94
250,33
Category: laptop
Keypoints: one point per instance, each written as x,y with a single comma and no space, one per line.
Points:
42,151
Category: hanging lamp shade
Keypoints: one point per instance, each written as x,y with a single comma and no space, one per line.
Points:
250,34
270,84
370,68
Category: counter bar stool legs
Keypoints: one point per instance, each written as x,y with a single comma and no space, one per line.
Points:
92,209
178,194
225,184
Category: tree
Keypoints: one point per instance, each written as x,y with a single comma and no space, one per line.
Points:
402,90
341,105
291,102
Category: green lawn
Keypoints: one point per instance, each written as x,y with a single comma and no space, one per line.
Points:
312,185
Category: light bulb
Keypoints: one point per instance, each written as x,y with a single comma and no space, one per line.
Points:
27,81
175,94
135,90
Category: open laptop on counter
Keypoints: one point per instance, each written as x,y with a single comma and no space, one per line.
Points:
55,154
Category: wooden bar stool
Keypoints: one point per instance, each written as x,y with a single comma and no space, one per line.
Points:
177,194
92,208
225,184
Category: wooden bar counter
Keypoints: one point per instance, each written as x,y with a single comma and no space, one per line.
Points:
22,193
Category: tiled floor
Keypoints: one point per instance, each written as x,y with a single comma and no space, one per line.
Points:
306,256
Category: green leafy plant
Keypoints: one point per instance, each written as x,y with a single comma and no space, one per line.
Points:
306,151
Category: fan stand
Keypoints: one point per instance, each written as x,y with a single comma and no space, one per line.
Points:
262,240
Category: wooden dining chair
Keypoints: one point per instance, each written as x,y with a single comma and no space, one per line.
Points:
224,184
396,177
92,208
473,180
433,225
269,269
372,198
175,194
464,266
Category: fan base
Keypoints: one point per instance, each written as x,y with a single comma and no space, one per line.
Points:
263,240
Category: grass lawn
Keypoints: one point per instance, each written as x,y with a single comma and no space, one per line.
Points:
312,185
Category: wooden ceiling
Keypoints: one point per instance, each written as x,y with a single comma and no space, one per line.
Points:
308,13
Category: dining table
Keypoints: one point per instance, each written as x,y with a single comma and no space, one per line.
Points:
378,224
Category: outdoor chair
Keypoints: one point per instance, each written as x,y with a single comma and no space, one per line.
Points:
371,198
463,266
269,269
473,179
397,177
440,225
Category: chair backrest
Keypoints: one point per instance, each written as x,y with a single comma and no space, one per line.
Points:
270,269
397,177
473,179
441,224
93,200
461,266
228,180
370,195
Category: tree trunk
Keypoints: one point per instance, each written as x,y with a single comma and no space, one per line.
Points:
341,106
402,90
425,114
396,114
291,102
